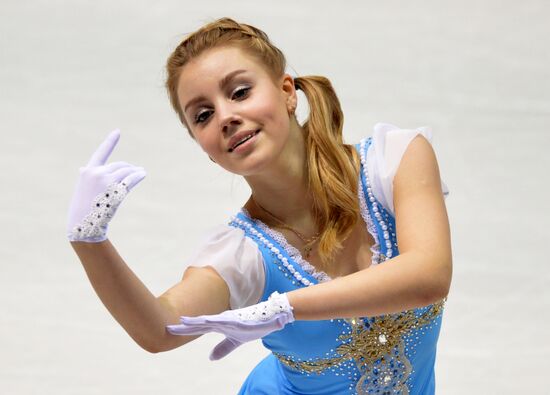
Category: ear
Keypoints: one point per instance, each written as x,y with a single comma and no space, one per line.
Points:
289,92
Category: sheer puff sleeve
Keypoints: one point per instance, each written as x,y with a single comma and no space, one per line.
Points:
237,260
389,143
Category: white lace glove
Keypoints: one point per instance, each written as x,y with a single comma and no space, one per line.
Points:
99,191
239,326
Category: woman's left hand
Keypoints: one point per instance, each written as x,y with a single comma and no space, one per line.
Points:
239,326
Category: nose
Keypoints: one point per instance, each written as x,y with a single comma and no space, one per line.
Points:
229,118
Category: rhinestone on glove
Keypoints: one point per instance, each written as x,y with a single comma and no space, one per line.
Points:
277,303
94,225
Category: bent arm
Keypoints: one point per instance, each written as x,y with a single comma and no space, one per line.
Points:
419,276
136,309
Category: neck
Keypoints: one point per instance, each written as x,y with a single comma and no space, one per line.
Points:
283,187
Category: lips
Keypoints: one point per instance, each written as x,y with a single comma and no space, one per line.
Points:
240,138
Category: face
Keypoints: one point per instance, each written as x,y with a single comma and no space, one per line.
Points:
235,109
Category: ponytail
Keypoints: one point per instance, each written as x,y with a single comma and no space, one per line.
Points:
333,167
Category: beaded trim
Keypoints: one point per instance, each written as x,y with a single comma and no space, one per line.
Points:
94,226
294,253
247,227
376,208
375,248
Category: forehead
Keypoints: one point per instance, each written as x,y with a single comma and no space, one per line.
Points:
211,66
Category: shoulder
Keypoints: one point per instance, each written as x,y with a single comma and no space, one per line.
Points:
418,167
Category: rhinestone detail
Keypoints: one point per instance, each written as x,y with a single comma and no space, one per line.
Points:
94,225
276,303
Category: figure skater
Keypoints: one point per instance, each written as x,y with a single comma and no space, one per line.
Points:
339,261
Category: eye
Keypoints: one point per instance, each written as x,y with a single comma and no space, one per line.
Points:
240,93
202,116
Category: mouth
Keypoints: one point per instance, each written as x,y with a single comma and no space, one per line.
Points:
242,140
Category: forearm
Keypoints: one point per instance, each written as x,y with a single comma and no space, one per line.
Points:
128,300
400,284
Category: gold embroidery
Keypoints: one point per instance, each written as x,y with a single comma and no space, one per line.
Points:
377,347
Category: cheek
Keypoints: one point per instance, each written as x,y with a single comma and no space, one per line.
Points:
269,109
207,143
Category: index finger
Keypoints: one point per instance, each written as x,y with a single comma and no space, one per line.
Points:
103,152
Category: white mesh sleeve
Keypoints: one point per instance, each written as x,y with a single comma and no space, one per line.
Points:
237,260
389,143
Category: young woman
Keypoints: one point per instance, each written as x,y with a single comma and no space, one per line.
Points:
340,259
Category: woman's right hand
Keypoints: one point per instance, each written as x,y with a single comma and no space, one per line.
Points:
99,191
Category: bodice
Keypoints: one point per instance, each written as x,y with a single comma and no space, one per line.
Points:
390,354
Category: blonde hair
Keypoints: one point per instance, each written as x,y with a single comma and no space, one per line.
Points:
332,166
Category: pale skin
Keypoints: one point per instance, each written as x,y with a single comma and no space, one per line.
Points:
274,167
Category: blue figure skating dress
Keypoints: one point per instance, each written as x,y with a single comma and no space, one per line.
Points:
391,354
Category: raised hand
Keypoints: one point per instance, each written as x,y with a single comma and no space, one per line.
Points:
99,191
239,326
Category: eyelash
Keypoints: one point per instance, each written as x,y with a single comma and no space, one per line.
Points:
244,89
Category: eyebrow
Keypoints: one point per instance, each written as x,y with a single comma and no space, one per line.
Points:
223,82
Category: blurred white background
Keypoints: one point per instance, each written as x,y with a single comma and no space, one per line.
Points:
477,72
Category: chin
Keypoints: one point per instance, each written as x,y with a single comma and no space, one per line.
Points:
251,165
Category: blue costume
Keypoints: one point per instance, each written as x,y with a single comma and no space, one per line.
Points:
391,354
